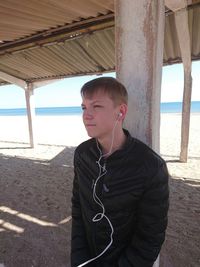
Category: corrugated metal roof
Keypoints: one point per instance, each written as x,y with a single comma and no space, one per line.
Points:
19,19
53,39
171,45
92,53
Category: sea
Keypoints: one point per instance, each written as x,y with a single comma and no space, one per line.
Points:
167,107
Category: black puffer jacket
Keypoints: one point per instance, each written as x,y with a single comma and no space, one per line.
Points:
134,192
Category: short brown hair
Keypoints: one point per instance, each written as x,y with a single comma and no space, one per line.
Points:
116,91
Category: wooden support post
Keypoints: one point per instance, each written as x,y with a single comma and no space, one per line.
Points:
185,126
182,27
181,20
29,102
29,93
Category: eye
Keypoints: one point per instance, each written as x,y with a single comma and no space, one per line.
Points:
83,107
98,106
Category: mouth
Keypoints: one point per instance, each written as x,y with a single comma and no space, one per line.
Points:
90,125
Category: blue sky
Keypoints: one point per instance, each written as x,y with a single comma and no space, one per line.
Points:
66,92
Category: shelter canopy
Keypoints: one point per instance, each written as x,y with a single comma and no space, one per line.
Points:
44,40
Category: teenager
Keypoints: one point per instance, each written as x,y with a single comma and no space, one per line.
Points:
120,189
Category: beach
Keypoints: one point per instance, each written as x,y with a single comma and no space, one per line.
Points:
35,191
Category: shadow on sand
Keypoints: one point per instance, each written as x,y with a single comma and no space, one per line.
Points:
182,247
35,210
35,214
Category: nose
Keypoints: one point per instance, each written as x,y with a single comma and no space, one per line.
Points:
87,114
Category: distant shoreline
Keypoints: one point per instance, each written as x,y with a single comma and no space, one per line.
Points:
166,107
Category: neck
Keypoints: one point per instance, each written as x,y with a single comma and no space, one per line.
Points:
113,143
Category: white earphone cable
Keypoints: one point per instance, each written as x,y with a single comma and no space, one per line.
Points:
99,216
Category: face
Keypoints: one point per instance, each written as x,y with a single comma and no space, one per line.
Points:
99,115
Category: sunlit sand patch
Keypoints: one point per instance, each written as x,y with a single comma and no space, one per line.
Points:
11,227
26,217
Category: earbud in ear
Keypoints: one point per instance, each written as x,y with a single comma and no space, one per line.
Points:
119,114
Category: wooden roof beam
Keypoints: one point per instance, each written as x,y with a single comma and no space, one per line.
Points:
38,84
176,5
12,79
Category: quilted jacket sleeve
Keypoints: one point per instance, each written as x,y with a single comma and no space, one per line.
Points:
79,246
151,223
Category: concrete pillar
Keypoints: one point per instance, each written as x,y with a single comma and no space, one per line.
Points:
139,57
139,29
30,106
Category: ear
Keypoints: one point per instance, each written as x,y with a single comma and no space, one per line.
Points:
122,112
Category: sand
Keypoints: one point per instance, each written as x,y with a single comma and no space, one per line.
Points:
35,191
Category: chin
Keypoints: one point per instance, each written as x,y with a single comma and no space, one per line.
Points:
92,135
